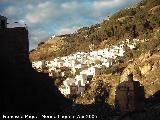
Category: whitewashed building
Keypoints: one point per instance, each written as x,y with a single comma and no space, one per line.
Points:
68,87
38,65
89,71
74,86
81,80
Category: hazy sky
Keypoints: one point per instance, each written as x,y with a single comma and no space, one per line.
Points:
45,18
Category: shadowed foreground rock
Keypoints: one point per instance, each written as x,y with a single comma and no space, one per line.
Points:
23,89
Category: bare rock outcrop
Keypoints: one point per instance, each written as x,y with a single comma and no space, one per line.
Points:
145,69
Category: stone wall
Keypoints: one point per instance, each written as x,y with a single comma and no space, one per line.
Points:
14,44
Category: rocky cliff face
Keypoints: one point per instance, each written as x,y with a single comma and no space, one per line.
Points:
146,69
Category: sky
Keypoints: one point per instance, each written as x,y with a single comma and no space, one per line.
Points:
45,18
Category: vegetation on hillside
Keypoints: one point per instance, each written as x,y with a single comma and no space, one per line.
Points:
134,22
141,22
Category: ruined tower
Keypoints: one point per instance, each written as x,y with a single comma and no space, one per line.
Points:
129,96
14,43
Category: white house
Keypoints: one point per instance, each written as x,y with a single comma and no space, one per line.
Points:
67,63
131,46
73,86
94,53
68,90
69,81
38,65
78,66
53,36
121,52
84,72
80,81
100,52
60,63
51,63
73,70
89,71
51,69
106,63
82,78
68,87
127,41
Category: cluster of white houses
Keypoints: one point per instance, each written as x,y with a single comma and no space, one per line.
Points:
76,61
74,86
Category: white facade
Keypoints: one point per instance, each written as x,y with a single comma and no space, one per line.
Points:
131,46
74,85
78,66
89,71
106,64
51,63
65,90
84,72
68,81
67,85
73,70
94,53
50,69
37,65
82,78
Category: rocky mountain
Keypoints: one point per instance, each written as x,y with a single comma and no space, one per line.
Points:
141,22
135,22
146,69
48,49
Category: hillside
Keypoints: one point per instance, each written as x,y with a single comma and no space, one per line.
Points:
146,69
134,22
49,49
142,23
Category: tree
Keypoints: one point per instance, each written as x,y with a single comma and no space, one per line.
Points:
101,93
77,71
41,43
57,82
128,53
98,62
